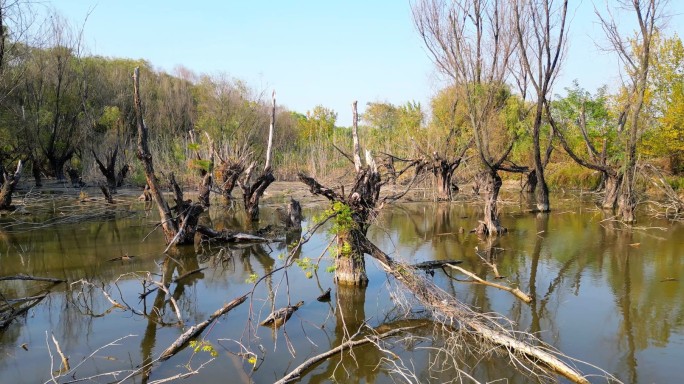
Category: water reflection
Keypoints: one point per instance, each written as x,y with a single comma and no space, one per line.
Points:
603,294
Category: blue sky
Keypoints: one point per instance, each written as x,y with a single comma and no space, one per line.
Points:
311,52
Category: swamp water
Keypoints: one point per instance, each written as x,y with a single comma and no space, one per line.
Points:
608,296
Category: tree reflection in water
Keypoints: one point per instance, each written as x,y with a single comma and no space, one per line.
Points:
603,292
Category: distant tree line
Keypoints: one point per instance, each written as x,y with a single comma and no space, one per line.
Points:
65,113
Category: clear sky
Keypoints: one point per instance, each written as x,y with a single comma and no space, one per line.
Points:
311,52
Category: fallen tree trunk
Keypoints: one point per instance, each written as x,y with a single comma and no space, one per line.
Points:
195,330
482,326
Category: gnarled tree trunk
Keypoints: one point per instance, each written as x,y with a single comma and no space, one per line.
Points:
229,173
9,183
612,182
205,189
114,179
350,266
490,184
444,172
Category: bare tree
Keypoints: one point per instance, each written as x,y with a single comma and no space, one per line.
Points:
635,54
179,228
354,211
540,27
252,192
108,168
471,42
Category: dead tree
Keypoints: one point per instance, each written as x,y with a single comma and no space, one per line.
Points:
443,169
179,228
540,28
206,172
229,172
252,192
471,42
114,179
355,210
635,54
9,183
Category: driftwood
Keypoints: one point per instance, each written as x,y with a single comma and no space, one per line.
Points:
296,373
197,329
476,279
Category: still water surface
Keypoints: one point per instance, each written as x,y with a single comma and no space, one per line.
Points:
604,295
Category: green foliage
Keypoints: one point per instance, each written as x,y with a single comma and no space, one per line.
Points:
571,175
201,164
307,266
318,123
341,217
677,183
203,346
600,120
665,138
252,278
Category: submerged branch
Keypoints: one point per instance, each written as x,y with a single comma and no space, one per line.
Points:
296,373
198,328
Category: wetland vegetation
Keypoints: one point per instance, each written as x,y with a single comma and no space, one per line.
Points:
182,226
